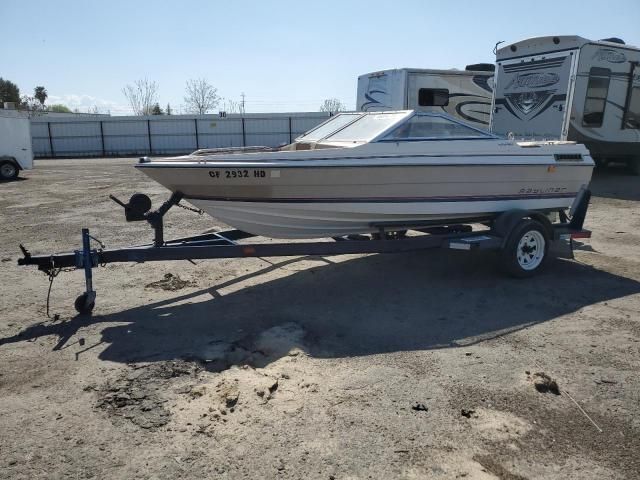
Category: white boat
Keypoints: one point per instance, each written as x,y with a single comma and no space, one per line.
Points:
359,172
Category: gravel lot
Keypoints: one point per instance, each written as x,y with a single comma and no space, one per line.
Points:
417,365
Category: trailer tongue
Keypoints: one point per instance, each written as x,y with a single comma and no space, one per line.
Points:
521,236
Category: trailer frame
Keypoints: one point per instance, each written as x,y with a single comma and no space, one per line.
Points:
390,238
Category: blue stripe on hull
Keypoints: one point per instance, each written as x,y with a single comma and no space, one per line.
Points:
485,198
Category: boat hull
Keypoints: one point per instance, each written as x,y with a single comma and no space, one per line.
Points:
321,219
312,201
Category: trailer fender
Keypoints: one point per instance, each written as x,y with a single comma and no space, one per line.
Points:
507,221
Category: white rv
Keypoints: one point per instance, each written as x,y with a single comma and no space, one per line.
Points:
571,88
464,94
15,144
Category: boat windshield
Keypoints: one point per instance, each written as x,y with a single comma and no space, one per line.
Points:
328,127
366,128
390,126
424,127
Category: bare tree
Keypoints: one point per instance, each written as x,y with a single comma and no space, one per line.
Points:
332,105
201,96
30,103
142,96
231,106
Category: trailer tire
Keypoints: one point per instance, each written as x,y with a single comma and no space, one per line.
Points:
8,170
81,305
525,250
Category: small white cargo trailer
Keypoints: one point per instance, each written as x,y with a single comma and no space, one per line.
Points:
15,144
465,94
571,88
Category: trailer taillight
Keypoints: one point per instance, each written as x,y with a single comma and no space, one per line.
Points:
581,234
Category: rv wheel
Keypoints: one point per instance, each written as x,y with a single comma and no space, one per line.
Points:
8,170
526,248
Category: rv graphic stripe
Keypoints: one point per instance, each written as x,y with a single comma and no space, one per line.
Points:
552,100
545,101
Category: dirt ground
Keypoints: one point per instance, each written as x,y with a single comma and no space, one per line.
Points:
416,365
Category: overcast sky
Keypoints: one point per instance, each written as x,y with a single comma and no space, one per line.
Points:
284,55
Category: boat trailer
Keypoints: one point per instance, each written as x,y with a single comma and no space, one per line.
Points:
512,233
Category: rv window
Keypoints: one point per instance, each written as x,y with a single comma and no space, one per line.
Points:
632,112
596,99
433,97
632,115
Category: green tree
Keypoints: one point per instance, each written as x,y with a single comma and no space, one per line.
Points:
168,109
40,93
59,108
9,92
156,110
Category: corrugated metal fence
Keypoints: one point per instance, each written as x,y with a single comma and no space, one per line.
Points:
163,135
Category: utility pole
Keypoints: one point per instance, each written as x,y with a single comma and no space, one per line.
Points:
242,103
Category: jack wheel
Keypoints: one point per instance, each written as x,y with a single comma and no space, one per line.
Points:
81,305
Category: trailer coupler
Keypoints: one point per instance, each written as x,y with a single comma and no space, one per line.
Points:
138,208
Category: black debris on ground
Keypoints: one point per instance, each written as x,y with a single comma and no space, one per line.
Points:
136,394
171,283
419,407
544,383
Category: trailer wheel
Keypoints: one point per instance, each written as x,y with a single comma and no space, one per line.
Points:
526,248
81,305
8,170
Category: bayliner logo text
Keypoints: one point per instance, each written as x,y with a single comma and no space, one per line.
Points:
611,56
534,80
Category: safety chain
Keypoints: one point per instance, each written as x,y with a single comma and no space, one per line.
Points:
191,209
99,250
52,273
